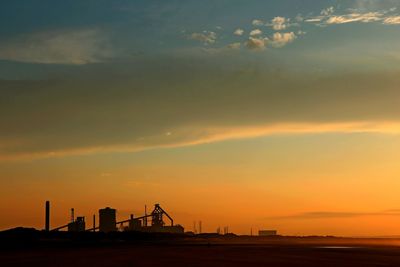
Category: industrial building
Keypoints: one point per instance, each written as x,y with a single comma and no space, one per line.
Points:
150,223
107,220
77,225
134,225
157,225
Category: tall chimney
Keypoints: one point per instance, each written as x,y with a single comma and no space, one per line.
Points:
72,215
145,214
47,224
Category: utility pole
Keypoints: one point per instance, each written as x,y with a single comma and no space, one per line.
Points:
226,230
47,217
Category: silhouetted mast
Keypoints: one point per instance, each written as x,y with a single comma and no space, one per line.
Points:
47,219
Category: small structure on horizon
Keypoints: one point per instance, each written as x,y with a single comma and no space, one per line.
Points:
267,233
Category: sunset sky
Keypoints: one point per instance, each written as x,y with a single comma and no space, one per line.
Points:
257,114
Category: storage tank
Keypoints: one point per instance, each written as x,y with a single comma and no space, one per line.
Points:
107,220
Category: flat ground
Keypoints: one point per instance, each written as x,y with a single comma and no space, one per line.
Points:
191,255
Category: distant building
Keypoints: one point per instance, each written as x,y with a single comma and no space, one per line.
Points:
176,229
107,220
78,225
267,232
157,223
137,226
134,225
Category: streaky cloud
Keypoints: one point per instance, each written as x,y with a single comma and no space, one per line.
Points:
68,47
198,136
103,111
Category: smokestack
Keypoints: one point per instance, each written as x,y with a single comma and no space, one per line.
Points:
145,214
94,223
47,224
72,215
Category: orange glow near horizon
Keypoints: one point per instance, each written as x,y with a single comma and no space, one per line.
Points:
262,183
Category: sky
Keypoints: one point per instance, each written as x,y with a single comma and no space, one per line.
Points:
243,113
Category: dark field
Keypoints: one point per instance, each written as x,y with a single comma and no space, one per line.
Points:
285,252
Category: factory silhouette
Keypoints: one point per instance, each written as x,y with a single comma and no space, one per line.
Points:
149,223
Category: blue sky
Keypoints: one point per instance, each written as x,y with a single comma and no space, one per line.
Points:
78,33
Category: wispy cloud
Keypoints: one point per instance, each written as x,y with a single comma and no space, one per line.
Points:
328,11
355,17
360,14
393,20
235,46
282,39
312,20
368,5
277,40
206,37
255,32
279,23
258,22
197,136
238,32
75,47
256,44
101,112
